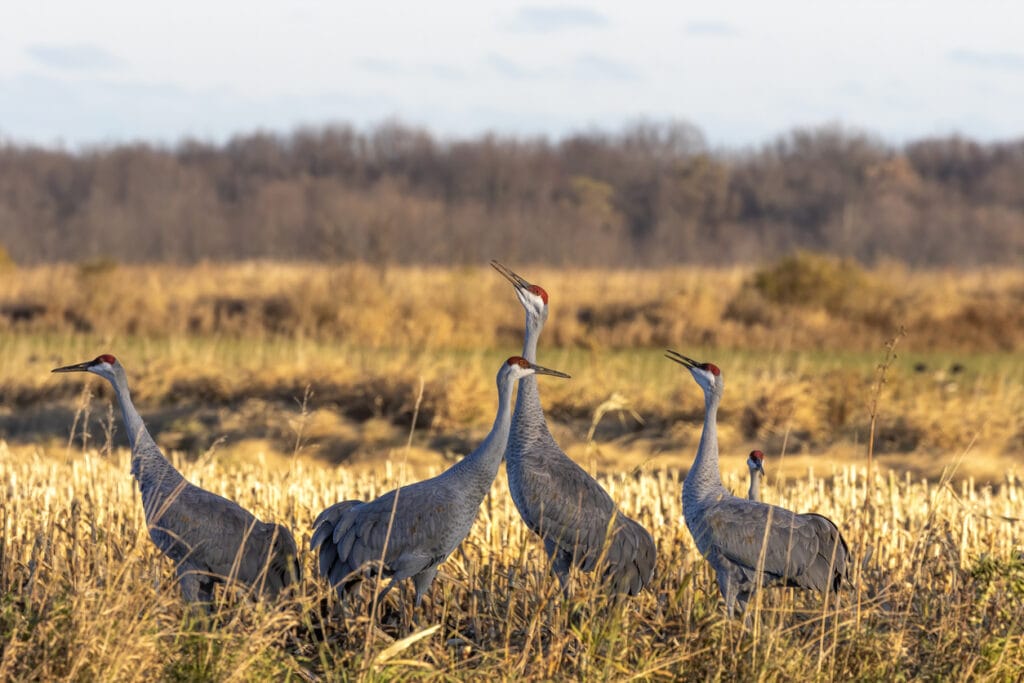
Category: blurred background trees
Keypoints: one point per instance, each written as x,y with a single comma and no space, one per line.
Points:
650,195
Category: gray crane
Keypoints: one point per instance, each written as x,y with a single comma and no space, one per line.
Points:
574,516
209,538
415,533
755,463
752,544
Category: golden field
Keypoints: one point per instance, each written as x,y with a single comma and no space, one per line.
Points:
288,387
938,589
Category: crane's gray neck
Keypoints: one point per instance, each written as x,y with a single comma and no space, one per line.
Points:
533,330
481,466
149,466
704,479
754,492
138,435
528,423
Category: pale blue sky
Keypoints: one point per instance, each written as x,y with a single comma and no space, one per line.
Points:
77,73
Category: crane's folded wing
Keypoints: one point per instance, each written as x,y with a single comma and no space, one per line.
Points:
793,548
419,532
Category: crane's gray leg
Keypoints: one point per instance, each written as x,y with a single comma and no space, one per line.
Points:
196,587
560,563
727,583
422,583
189,583
734,581
384,591
560,566
742,598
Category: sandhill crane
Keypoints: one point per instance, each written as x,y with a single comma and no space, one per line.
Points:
428,520
755,463
210,539
744,538
558,500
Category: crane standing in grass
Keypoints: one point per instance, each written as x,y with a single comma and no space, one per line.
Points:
755,463
210,539
414,528
558,500
752,544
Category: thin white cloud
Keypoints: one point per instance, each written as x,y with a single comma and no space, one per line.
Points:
551,18
80,56
597,68
981,59
714,29
94,111
383,67
397,69
584,67
446,72
503,66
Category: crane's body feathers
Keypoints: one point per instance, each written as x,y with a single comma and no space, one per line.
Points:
744,539
751,544
573,514
557,499
429,519
216,537
209,538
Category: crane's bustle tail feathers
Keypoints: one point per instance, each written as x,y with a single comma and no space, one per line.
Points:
329,560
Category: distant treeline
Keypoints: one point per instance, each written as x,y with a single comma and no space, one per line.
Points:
650,195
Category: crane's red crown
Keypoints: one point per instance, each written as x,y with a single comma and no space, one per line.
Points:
518,360
107,358
756,455
712,368
539,291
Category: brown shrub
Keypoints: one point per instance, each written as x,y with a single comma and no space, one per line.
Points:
807,279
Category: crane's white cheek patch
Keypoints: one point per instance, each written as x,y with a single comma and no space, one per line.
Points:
704,378
530,301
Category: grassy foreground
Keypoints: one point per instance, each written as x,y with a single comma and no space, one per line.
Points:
288,388
939,588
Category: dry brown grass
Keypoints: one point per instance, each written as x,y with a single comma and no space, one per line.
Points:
779,308
939,582
195,391
308,390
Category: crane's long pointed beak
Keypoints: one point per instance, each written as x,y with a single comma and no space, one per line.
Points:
541,370
677,357
758,466
517,282
77,367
